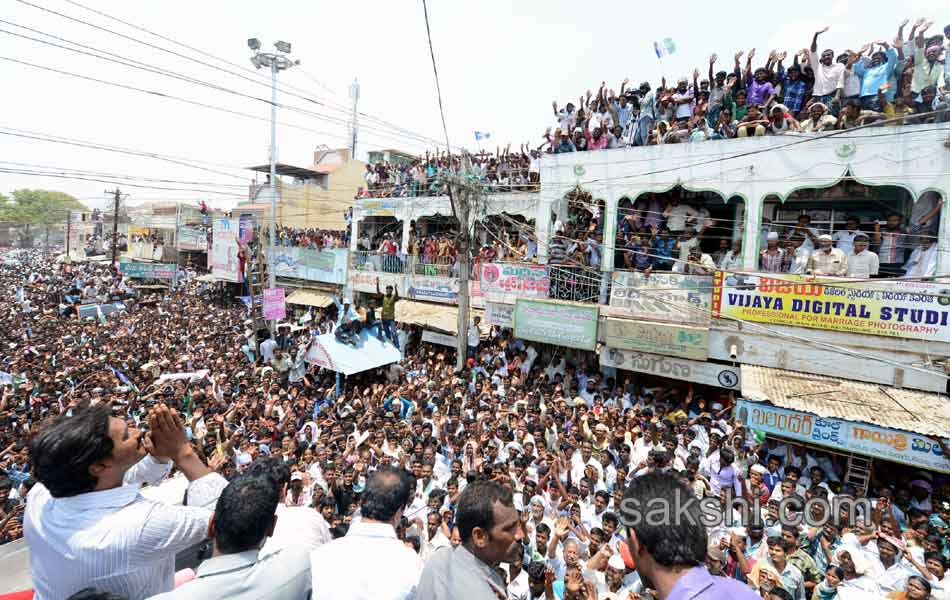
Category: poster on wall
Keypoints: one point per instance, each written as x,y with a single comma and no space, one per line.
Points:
500,315
556,323
684,369
844,436
223,258
504,282
275,307
657,338
670,297
904,309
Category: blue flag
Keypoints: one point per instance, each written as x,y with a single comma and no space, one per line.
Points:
481,135
125,380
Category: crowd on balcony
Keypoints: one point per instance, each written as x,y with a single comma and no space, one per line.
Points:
883,81
510,479
503,171
311,238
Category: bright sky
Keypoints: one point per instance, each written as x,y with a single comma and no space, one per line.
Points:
501,64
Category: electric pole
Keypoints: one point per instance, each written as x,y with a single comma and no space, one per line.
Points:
354,119
115,227
276,62
69,222
464,194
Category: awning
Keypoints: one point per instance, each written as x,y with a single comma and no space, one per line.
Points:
308,298
370,353
830,397
441,317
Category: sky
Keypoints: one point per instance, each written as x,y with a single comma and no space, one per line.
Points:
501,64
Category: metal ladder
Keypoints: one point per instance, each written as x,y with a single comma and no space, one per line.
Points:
858,473
257,281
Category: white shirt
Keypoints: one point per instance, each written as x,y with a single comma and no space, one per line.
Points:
341,569
863,265
922,262
115,540
429,546
677,216
267,349
844,240
474,334
297,526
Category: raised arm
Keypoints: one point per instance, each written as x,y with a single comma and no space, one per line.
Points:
712,61
814,42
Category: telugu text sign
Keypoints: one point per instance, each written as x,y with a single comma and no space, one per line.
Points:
442,339
671,297
366,282
504,282
140,270
905,309
500,315
870,440
570,325
657,338
275,307
433,289
327,266
684,369
192,239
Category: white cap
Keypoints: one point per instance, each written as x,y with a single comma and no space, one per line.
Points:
773,235
296,476
824,238
616,562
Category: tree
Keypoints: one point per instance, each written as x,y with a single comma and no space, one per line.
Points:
38,207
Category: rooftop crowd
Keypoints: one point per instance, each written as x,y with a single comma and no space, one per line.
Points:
504,480
503,171
892,81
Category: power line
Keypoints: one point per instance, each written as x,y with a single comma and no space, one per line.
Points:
435,71
258,81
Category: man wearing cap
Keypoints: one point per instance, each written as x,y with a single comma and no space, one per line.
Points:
827,260
771,258
647,116
862,262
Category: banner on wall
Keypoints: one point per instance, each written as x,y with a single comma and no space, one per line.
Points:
140,270
223,258
504,282
559,324
442,339
844,436
657,338
903,309
327,266
433,289
500,315
684,369
671,297
366,282
192,239
275,306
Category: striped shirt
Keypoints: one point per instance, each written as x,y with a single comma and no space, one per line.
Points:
114,540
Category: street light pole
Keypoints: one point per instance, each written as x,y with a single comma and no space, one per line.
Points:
276,61
271,271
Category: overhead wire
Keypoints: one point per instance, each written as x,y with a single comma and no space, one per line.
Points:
307,96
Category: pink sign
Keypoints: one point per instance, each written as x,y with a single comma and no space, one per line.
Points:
274,307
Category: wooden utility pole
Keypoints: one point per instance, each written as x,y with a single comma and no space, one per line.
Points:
464,194
115,228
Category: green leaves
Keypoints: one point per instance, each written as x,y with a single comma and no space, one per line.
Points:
37,207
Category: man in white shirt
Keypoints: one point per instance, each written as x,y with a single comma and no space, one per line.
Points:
86,522
862,263
827,260
677,215
474,336
697,263
923,260
238,570
338,568
844,239
268,347
297,526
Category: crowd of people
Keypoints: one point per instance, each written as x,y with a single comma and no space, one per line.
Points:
895,81
505,480
311,238
503,171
